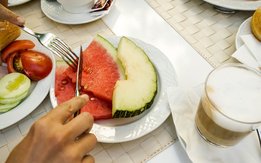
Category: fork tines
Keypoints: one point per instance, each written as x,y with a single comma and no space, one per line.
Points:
62,50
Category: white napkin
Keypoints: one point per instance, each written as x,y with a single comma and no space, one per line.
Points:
250,52
253,45
183,103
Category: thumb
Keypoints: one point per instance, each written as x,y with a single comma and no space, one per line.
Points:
10,16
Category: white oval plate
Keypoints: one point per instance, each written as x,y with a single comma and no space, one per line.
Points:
153,118
16,2
39,90
54,11
244,29
246,5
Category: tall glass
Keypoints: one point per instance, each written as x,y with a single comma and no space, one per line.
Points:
230,106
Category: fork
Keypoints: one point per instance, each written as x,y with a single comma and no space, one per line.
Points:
56,45
78,78
259,136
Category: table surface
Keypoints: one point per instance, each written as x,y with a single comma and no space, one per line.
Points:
147,22
158,33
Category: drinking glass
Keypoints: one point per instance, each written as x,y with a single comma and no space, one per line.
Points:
230,105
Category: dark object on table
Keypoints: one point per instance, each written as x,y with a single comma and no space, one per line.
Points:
101,5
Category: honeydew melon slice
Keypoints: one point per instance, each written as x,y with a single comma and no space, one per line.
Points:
135,94
14,85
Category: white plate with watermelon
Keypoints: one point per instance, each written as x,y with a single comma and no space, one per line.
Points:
115,130
38,90
16,2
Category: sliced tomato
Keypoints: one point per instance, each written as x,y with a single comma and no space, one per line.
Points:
17,63
36,65
15,46
10,63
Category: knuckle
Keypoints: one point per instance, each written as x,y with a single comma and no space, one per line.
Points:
67,134
57,139
93,137
91,159
67,104
88,159
39,126
54,135
67,109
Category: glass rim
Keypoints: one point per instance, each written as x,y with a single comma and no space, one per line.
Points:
218,68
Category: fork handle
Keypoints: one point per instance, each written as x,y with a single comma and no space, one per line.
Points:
27,30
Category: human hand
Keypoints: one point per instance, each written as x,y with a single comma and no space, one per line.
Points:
56,138
6,14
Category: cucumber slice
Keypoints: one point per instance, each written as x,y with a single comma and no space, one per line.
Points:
13,100
14,85
135,94
7,107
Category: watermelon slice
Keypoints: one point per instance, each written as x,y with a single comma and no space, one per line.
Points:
101,71
64,87
65,90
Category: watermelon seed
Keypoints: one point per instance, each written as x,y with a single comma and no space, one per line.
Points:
62,88
85,87
64,81
89,70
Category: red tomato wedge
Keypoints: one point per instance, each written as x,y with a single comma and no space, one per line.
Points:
36,65
15,46
10,63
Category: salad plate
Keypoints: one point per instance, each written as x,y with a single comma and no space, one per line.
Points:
38,90
54,11
16,2
245,5
125,129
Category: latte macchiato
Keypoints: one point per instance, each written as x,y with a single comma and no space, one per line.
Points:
230,107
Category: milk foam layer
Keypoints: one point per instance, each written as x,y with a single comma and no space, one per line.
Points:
236,92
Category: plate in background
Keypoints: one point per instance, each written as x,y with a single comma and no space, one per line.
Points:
246,5
38,91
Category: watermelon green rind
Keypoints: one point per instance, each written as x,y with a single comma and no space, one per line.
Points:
135,94
112,51
126,113
107,45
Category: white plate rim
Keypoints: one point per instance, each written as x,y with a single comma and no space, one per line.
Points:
155,116
236,4
37,95
47,11
243,29
16,3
